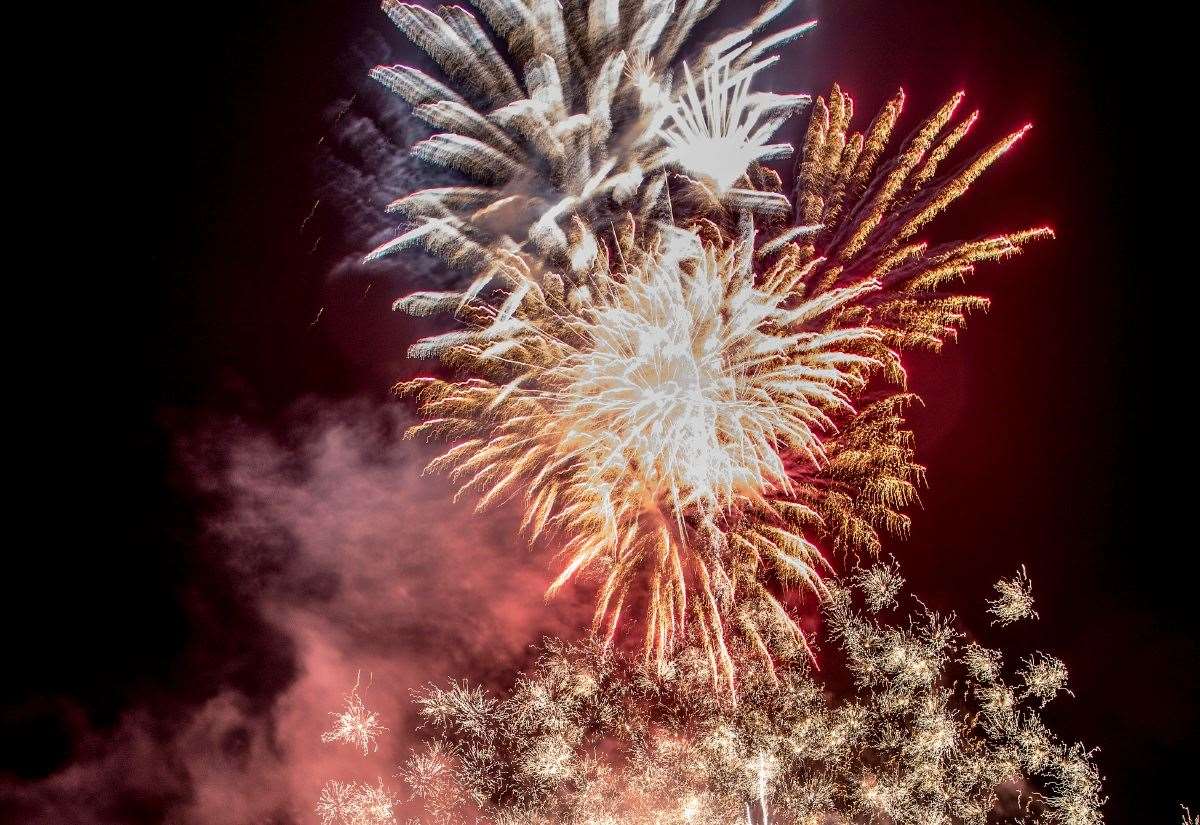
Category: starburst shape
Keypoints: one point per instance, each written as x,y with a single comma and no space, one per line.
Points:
718,127
1014,600
355,725
657,426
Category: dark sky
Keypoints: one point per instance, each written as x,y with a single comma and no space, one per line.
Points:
188,284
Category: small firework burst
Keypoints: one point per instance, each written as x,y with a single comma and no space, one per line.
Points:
1014,602
1076,793
355,725
983,663
1044,677
880,584
356,803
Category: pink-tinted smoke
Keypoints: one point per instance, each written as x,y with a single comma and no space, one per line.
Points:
362,564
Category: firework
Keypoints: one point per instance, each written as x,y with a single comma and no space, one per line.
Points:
915,740
1014,600
689,379
592,128
356,803
1044,677
880,584
689,382
355,725
718,135
649,425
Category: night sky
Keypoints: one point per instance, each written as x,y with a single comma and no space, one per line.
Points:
215,331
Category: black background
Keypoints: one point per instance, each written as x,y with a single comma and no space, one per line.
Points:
171,283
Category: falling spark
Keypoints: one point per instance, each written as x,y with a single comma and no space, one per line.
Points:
309,216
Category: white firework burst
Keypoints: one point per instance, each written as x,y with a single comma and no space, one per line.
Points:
577,133
675,397
718,130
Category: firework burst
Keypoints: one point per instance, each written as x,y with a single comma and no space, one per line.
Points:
648,424
719,132
355,725
916,738
691,381
593,128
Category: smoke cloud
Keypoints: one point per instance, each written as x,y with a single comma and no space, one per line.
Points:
355,563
